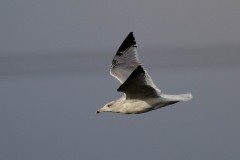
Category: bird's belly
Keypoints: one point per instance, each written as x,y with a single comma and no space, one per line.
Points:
136,107
141,106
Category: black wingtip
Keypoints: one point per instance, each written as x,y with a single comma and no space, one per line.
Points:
128,42
130,34
137,73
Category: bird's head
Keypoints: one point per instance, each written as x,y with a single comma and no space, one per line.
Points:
109,107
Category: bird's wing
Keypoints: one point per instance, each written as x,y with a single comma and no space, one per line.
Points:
136,86
126,61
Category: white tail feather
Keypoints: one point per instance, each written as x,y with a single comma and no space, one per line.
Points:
179,97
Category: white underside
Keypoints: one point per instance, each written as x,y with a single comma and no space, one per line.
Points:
141,106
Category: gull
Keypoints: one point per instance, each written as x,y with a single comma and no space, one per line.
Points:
140,93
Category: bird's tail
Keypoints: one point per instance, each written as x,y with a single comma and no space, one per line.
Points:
179,97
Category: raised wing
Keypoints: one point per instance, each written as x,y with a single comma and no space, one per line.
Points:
126,61
136,86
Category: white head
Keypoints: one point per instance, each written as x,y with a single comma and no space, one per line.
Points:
113,106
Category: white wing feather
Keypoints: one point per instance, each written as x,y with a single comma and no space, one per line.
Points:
126,61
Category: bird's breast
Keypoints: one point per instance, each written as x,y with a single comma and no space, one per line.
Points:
138,106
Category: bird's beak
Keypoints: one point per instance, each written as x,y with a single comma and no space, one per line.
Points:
97,112
103,109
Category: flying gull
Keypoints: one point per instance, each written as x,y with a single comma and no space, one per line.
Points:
140,93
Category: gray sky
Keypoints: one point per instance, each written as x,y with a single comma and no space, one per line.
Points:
59,25
54,74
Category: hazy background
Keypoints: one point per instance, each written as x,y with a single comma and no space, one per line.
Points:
54,74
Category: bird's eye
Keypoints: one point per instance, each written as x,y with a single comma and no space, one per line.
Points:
109,105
